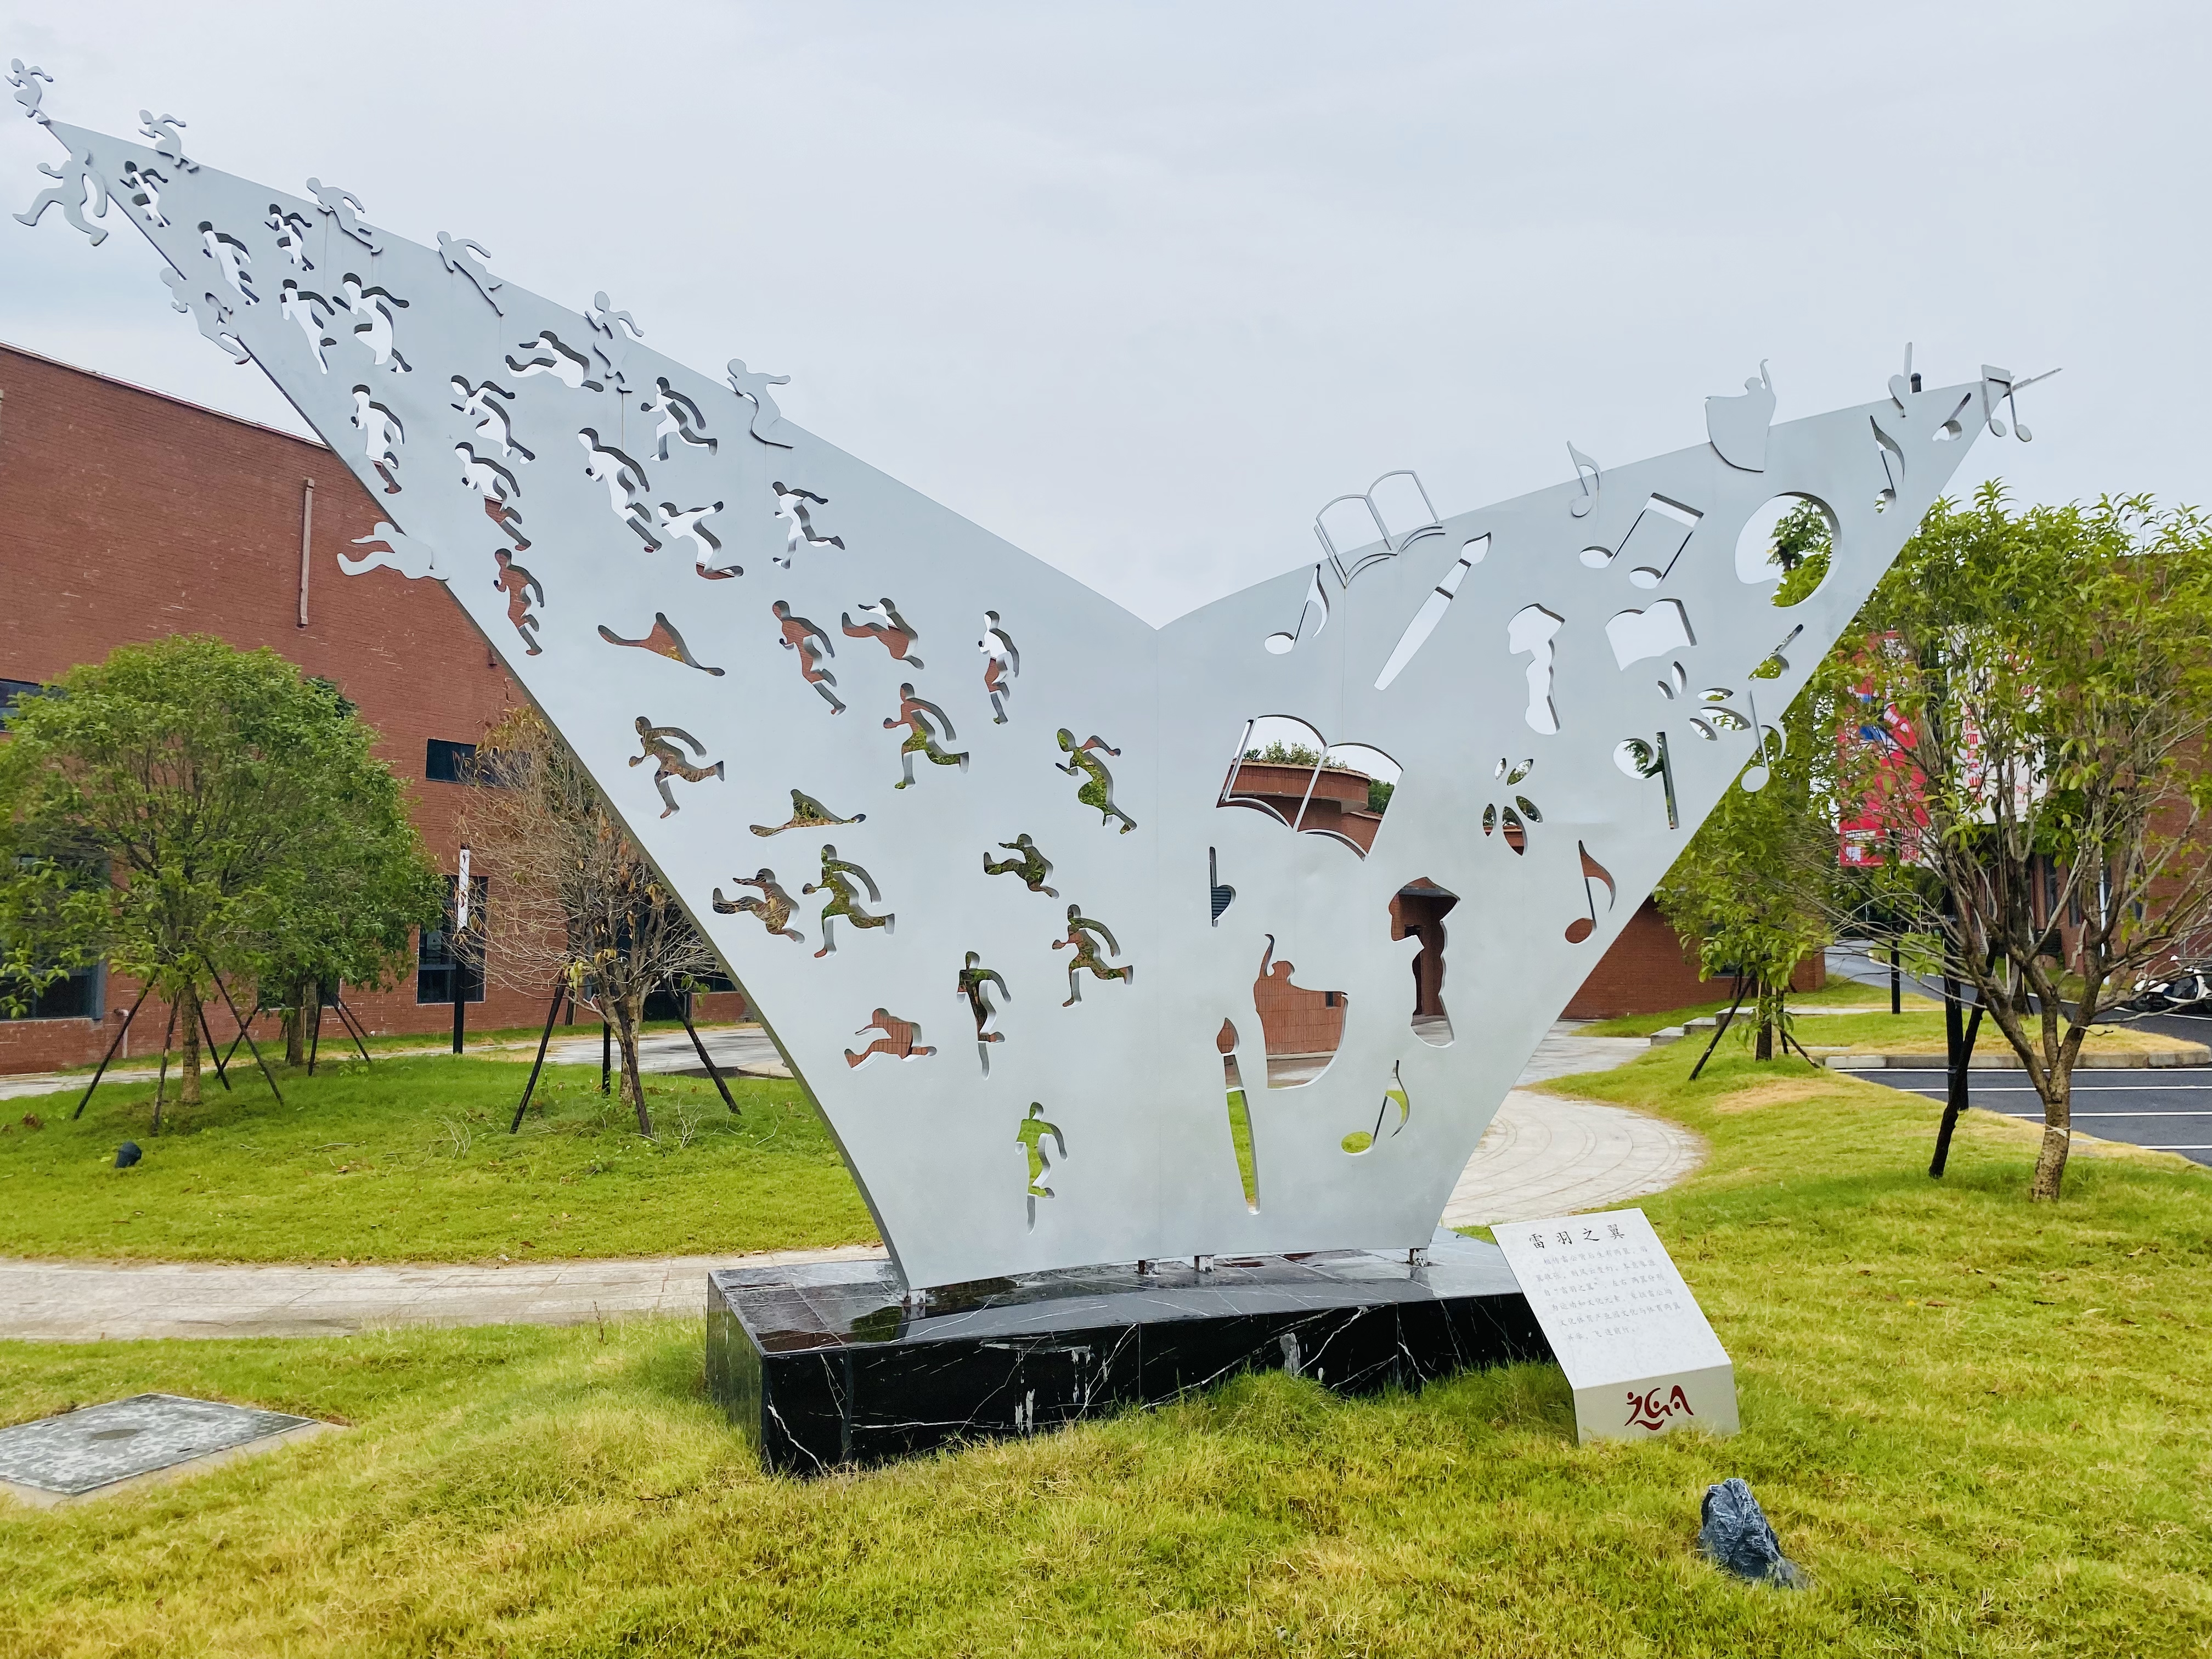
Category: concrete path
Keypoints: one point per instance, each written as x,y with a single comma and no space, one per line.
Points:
741,1050
1541,1156
83,1301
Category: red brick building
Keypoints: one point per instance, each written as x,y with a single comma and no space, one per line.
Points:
126,516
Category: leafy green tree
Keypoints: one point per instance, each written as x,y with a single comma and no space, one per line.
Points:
186,808
2042,679
1758,885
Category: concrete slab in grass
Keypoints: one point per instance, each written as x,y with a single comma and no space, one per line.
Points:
101,1449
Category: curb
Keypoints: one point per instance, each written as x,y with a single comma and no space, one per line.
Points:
2190,1054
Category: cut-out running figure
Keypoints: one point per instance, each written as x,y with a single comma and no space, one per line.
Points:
791,507
655,740
806,813
897,1039
1030,864
774,907
345,207
168,141
1083,937
495,425
916,715
767,419
974,977
842,901
897,633
26,80
681,422
382,436
1002,665
522,590
1099,791
466,258
812,645
1031,1138
77,185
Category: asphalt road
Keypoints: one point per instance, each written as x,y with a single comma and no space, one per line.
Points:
2170,1110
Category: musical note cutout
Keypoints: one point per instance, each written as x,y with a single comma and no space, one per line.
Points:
1999,386
1657,539
1583,927
1755,776
1587,476
1365,1141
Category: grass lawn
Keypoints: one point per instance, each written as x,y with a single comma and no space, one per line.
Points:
409,1159
1979,1425
1836,994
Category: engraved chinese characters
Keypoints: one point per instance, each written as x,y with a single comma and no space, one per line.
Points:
1630,1337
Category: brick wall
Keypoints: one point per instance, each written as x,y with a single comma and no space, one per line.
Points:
128,516
1651,969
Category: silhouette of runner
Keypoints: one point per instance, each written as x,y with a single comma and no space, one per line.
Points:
773,907
812,645
1098,791
1031,865
843,899
1085,936
897,1039
522,590
916,715
655,740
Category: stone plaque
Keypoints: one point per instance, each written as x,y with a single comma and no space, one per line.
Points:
1633,1342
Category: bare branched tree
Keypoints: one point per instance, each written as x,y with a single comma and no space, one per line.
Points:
576,898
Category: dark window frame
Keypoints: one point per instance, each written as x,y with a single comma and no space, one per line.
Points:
435,967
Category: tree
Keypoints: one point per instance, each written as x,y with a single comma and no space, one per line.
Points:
577,899
1757,883
186,808
2041,685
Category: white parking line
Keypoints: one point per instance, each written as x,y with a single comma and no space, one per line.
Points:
2081,1088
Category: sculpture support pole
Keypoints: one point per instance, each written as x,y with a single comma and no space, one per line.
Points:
684,1012
251,1044
544,1037
144,991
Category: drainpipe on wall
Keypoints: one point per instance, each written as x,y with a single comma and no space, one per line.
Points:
307,533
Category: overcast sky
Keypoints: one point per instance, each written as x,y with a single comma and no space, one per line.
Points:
1140,287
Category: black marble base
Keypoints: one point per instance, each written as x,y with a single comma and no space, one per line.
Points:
821,1365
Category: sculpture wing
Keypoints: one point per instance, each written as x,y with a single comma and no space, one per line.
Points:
1523,631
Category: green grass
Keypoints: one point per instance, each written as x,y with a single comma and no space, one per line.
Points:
409,1159
1836,994
1978,1424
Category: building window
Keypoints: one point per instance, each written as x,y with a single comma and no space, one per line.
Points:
13,692
78,997
450,762
435,968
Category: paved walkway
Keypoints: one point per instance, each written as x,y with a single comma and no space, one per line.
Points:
741,1050
1541,1156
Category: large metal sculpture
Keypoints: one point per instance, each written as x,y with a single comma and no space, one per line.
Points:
1006,912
